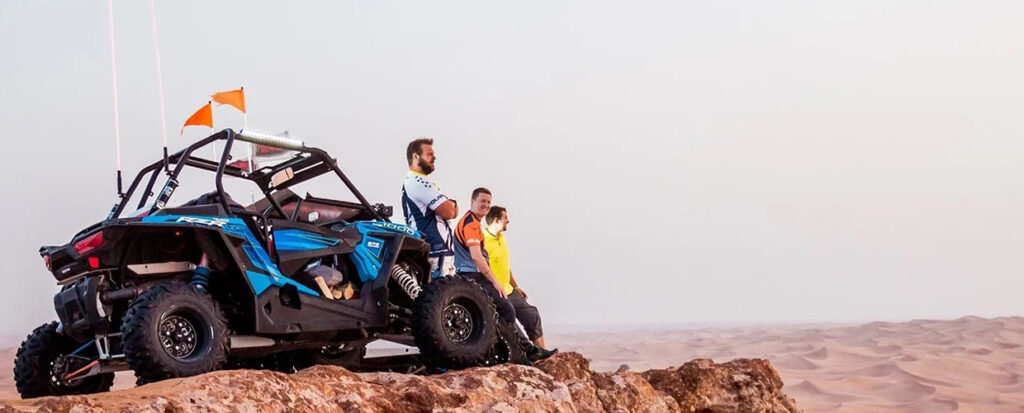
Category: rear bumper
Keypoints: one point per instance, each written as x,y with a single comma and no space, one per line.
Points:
79,309
66,263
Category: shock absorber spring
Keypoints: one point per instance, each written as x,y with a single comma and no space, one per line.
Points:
201,276
406,281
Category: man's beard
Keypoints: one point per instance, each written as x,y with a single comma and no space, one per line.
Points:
426,167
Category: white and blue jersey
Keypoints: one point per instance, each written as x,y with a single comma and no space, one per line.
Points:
420,196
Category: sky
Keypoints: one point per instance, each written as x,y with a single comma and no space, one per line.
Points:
663,162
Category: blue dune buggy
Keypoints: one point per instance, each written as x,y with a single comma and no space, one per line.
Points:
286,282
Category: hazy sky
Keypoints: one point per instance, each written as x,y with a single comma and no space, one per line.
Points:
663,162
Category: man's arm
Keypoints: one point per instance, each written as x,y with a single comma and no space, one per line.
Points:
485,268
447,210
512,279
430,196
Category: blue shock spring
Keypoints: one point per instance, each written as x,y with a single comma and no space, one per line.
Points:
201,278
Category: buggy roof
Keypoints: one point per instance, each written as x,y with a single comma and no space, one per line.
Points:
307,163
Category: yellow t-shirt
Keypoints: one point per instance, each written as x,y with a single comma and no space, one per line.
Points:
497,254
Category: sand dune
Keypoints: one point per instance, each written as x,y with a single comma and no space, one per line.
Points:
970,364
793,362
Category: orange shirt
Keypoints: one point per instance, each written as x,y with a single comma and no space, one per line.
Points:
468,235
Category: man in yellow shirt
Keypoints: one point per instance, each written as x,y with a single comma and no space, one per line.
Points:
497,253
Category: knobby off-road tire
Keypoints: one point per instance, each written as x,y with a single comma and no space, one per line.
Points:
509,346
174,331
454,323
33,366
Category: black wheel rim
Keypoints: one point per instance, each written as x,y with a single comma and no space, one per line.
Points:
457,322
62,366
57,372
178,336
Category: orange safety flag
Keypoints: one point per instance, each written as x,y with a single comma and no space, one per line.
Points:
202,117
234,98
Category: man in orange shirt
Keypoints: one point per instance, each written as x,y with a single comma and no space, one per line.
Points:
470,256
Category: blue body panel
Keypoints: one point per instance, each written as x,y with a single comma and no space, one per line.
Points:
369,253
270,275
367,256
299,240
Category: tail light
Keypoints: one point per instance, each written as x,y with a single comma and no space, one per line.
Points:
89,243
46,260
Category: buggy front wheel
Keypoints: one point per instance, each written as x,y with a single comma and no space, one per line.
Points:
454,323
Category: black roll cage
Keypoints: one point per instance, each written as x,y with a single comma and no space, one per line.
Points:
308,163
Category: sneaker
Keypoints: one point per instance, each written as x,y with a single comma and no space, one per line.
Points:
538,353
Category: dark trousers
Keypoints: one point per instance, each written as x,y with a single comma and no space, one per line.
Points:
527,314
506,311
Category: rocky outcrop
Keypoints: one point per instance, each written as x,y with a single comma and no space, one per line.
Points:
563,383
742,385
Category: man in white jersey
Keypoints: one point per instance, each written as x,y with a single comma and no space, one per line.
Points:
427,209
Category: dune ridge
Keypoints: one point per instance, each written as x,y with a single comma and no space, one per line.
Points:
970,364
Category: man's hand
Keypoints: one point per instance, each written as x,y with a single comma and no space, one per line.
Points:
515,285
523,293
497,286
475,252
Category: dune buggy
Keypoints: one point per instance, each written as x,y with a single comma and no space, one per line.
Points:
211,284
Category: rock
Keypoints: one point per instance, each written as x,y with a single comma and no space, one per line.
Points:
622,391
563,383
743,385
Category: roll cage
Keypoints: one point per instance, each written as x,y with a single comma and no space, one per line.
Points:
307,163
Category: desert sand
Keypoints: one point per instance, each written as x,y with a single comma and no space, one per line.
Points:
969,364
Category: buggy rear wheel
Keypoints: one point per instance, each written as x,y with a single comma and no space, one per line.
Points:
173,331
43,360
454,323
